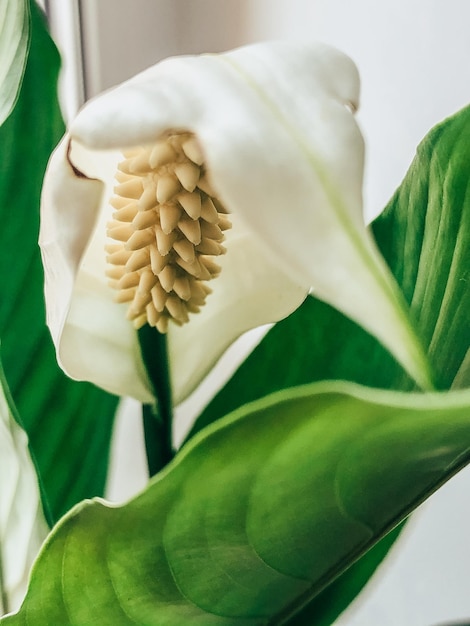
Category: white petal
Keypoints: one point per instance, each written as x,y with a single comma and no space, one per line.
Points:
93,339
22,523
250,292
332,251
276,126
14,43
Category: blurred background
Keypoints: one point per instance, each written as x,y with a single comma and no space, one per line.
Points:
413,57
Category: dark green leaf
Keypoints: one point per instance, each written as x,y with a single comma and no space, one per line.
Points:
69,424
256,515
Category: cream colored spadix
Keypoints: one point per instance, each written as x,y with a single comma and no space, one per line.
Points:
273,128
167,229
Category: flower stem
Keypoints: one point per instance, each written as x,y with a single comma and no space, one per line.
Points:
157,419
158,439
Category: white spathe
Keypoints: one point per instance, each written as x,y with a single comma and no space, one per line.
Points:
284,153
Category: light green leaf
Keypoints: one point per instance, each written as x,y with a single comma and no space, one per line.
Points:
22,523
256,515
14,43
68,424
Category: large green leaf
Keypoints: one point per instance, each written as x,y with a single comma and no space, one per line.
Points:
68,423
256,515
423,234
14,42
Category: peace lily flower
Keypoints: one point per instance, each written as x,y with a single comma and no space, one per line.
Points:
242,170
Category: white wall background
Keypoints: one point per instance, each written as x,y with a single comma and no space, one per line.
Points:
413,56
414,59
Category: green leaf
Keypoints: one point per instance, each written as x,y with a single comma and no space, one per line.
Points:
327,605
423,234
256,515
14,43
68,423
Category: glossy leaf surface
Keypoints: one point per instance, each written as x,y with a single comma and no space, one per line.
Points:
256,515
